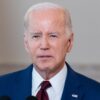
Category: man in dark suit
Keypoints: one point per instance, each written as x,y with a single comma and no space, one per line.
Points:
48,38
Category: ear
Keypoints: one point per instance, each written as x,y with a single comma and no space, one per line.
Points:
70,42
26,45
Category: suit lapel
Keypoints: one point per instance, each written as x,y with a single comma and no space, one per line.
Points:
72,89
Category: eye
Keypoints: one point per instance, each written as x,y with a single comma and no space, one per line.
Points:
53,36
35,36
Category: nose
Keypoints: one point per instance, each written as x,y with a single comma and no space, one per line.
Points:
44,43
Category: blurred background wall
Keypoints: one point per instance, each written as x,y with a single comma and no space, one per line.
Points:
85,55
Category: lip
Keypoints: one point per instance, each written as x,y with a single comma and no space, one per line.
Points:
44,56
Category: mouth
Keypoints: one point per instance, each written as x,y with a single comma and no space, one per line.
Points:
44,57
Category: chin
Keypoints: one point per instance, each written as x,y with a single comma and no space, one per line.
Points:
45,67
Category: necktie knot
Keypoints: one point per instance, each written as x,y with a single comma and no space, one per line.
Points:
42,93
45,85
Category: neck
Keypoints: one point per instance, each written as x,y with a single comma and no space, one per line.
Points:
48,74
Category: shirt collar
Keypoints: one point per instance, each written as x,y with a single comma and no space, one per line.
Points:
58,78
36,80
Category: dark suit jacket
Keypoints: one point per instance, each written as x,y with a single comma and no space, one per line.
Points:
18,86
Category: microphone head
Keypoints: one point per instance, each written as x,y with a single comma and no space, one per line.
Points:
31,98
5,98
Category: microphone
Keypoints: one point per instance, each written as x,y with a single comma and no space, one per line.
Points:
31,98
5,98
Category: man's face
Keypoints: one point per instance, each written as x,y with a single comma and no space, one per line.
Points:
46,40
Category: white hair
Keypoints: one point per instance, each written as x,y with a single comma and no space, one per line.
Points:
48,5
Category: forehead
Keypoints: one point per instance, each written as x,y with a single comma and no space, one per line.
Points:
56,15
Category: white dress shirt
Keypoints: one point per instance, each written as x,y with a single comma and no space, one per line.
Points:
57,83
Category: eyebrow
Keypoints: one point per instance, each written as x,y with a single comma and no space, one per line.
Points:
53,33
38,33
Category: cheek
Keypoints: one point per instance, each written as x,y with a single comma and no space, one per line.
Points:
62,47
32,49
60,51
